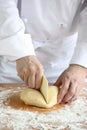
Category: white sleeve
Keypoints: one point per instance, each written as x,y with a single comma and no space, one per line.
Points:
14,43
80,54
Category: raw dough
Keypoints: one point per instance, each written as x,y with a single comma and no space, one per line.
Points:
44,88
46,97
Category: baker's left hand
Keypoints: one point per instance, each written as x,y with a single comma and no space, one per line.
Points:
70,83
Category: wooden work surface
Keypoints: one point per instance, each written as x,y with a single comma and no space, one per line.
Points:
15,115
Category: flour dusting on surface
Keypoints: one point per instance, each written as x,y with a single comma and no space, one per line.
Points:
69,117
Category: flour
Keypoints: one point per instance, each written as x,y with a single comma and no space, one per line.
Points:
70,117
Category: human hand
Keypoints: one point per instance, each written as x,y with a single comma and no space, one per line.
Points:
71,82
30,71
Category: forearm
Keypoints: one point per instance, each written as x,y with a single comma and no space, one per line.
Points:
14,43
80,54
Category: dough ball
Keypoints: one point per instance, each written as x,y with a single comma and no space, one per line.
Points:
34,97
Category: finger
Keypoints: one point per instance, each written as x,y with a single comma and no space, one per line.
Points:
58,82
21,76
71,92
31,81
25,78
22,72
76,94
72,99
63,90
31,77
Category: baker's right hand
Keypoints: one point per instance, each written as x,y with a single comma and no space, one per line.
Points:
30,70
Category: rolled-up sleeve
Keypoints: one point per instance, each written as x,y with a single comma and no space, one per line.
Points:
14,43
80,54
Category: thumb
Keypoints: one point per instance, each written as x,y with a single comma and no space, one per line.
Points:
58,82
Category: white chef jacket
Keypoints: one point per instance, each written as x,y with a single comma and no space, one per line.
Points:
45,30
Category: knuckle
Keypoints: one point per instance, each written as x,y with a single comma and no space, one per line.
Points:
68,77
32,69
35,69
24,70
39,68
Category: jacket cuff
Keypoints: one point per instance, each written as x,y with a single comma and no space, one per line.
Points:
17,46
80,56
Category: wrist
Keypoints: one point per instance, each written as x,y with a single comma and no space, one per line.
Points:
77,66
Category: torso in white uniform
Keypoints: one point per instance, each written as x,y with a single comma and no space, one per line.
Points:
49,23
